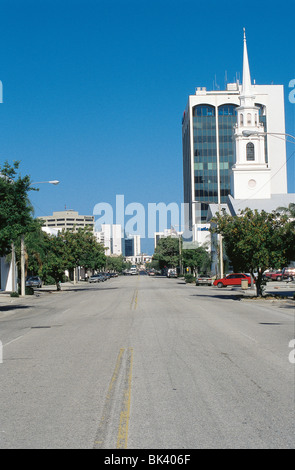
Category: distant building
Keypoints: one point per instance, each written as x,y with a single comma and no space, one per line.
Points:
132,245
68,220
110,236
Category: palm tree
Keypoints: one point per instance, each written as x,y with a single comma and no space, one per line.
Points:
289,211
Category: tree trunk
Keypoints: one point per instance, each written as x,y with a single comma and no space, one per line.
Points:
258,284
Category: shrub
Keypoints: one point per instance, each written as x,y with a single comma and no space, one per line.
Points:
189,278
14,294
29,291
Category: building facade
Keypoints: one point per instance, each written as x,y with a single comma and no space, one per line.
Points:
68,220
110,236
213,143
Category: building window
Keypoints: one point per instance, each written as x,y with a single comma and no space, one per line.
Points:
250,152
249,120
241,119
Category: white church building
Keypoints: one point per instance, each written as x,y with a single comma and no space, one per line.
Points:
258,180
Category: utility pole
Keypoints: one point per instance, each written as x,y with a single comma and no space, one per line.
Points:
22,256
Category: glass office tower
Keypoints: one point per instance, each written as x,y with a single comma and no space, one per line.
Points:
212,129
209,146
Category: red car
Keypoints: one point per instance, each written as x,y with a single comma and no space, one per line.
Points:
234,279
273,275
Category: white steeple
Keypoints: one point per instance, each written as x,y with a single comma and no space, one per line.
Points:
246,98
250,174
246,90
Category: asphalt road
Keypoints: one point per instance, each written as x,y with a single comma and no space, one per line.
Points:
146,363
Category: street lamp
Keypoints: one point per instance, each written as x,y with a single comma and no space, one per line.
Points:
220,242
55,182
249,133
22,246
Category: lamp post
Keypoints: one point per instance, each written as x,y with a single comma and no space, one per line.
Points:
249,133
220,242
55,182
22,246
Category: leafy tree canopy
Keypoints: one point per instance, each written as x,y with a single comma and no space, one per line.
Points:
197,259
16,211
255,241
167,252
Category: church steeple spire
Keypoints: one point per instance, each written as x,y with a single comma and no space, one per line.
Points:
250,173
246,85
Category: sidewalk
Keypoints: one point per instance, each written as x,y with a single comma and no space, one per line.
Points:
5,297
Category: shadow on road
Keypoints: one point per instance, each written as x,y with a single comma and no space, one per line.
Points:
6,308
222,297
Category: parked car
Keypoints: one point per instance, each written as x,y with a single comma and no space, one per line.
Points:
273,275
33,281
233,279
204,281
96,278
288,273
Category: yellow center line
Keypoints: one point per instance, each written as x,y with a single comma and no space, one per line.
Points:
125,413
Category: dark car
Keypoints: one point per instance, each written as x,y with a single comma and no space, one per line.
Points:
233,279
33,281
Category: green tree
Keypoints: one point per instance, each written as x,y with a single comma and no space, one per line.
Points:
167,252
197,259
115,263
53,261
82,249
255,241
16,211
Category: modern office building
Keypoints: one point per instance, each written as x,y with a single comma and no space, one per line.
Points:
212,143
132,245
68,220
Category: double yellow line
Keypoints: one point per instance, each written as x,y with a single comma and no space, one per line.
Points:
133,304
119,391
125,413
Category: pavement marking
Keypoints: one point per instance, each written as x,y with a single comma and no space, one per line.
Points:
125,413
133,304
117,405
13,340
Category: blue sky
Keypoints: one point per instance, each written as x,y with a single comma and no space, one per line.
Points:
94,91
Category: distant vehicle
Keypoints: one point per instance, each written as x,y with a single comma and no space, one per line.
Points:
33,281
172,272
288,273
133,270
204,281
273,275
234,279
